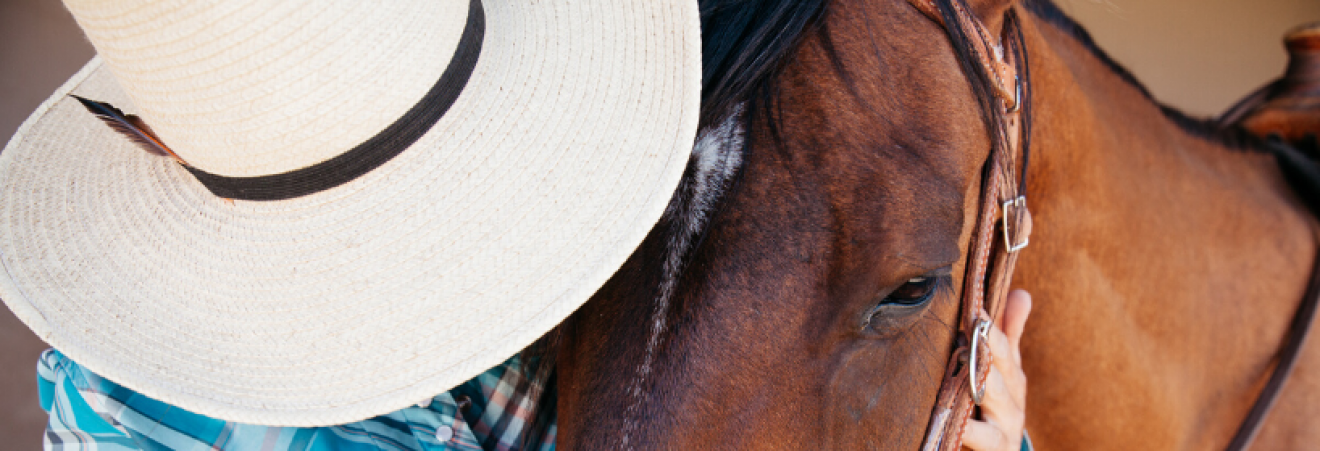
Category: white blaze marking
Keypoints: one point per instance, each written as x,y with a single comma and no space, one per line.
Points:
718,154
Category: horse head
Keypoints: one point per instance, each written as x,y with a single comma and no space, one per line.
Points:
802,290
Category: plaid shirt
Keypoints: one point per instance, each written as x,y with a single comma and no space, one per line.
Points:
497,410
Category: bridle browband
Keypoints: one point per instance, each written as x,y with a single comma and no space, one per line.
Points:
1002,64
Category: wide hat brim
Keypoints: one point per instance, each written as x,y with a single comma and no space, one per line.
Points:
551,167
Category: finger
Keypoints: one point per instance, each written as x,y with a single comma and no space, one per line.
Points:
1002,403
1002,414
1016,311
984,436
1026,223
1007,365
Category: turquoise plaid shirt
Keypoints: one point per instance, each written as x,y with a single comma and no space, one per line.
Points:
497,410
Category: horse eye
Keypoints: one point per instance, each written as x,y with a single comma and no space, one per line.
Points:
916,291
902,305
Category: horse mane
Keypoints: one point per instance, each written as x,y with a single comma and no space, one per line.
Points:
1230,135
744,44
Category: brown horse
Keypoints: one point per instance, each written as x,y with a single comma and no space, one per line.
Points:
801,292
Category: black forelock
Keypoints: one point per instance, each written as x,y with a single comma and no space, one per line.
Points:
743,45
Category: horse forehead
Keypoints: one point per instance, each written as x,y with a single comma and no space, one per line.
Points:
910,207
896,114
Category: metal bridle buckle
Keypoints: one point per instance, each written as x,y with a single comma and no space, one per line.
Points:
980,333
1017,96
1019,202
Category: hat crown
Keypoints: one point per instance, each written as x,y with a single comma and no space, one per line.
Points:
485,226
256,88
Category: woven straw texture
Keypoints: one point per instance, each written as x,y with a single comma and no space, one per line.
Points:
548,171
237,89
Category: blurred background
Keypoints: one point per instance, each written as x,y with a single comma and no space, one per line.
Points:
1197,55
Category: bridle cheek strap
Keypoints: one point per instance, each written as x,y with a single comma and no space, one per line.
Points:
1002,229
991,260
1004,75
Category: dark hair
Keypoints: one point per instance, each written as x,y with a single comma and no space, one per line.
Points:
743,45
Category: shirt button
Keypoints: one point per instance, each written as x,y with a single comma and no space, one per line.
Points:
444,433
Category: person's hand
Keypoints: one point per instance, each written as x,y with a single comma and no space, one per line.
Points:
1005,401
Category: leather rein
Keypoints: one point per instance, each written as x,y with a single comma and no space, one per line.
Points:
1004,225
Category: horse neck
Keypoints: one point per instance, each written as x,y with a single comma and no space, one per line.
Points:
1101,137
1166,265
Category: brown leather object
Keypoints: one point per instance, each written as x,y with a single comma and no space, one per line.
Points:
1289,106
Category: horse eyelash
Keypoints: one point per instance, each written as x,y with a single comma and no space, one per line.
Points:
943,285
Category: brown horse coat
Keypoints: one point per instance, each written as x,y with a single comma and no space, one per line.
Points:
764,311
1165,265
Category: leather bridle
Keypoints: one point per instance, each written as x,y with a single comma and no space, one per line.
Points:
1003,206
1002,225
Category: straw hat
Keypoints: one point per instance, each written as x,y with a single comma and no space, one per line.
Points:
378,200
